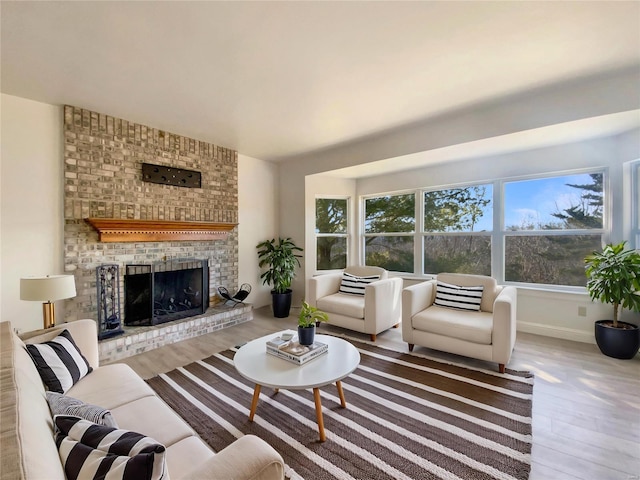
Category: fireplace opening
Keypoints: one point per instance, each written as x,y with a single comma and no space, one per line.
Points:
165,291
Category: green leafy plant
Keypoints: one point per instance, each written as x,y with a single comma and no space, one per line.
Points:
281,261
310,315
614,277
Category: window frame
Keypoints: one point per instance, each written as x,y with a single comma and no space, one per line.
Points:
635,204
424,234
347,235
498,233
363,234
604,231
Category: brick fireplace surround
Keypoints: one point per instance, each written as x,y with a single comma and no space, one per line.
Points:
103,159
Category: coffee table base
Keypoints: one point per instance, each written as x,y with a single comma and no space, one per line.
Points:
316,398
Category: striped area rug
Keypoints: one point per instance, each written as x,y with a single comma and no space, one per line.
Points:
407,417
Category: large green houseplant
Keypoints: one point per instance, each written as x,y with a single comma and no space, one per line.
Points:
280,257
613,277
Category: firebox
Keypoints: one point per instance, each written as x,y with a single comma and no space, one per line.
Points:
165,291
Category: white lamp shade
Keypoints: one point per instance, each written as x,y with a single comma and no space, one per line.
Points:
47,289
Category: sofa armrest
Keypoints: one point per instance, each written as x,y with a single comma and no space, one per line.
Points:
504,324
321,286
248,458
84,333
382,304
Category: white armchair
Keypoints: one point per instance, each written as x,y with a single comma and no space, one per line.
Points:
488,334
376,311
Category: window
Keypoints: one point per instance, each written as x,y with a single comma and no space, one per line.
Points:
460,221
635,206
389,228
331,233
550,224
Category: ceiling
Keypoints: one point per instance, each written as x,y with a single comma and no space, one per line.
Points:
279,79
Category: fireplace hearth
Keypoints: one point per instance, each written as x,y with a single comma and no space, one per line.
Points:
162,292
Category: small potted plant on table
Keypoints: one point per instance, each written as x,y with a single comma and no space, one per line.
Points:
614,278
307,320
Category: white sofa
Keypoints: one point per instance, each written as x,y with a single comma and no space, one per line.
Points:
489,334
378,310
28,447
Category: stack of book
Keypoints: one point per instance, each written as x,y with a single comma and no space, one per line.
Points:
293,352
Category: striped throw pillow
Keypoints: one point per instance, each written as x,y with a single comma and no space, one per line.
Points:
91,451
60,404
455,296
59,362
354,285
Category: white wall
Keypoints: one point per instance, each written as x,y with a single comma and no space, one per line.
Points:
31,222
539,311
32,216
258,221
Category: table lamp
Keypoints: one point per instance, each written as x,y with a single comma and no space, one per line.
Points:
48,289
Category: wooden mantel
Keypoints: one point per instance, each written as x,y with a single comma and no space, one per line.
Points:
123,230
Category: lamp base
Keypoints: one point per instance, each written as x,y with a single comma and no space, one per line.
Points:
48,315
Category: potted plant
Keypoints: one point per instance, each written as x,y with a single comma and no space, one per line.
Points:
307,320
614,278
281,260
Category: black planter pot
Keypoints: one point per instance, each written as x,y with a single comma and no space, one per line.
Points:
281,303
306,335
620,343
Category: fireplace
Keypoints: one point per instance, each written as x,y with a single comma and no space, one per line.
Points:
162,292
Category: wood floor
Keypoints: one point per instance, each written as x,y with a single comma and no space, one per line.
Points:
586,407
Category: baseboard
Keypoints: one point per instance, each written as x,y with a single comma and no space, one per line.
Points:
556,332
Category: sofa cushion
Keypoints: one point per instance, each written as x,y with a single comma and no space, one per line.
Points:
355,285
456,296
475,327
59,362
153,417
65,405
347,305
88,450
111,386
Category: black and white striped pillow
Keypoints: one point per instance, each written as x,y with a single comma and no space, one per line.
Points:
354,285
60,404
91,451
59,362
455,296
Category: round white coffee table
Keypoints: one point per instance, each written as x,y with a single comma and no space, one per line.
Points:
254,364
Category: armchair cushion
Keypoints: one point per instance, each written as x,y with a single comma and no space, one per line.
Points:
347,305
355,285
456,296
473,327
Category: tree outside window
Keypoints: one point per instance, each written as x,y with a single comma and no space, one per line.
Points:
331,233
551,224
460,220
389,226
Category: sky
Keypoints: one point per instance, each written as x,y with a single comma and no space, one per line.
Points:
533,201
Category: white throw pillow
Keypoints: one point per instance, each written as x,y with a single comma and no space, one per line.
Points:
354,285
456,296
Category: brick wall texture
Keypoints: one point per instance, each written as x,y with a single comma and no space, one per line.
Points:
103,159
